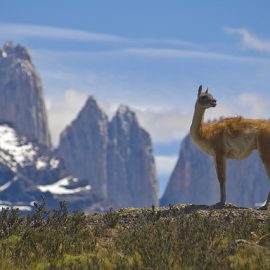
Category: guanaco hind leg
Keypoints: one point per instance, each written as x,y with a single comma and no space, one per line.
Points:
264,152
267,169
266,164
220,162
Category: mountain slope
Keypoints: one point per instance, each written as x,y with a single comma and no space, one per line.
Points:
29,170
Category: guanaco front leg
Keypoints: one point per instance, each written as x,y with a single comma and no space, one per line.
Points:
266,206
220,162
264,152
266,164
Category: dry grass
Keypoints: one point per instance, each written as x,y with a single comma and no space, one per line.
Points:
177,237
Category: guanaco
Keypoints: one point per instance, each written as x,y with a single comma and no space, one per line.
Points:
230,138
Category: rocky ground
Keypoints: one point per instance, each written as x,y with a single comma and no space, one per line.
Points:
140,216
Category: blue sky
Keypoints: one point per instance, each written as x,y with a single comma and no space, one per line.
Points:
151,55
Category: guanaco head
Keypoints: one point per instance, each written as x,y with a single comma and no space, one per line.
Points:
204,99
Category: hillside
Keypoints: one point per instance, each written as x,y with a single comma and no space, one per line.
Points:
177,237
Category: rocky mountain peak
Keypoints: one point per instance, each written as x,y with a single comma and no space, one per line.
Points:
91,111
125,113
16,52
124,121
131,166
22,102
116,157
83,145
91,102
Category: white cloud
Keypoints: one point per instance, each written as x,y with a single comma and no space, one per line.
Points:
191,54
143,53
11,30
62,110
250,40
140,47
164,124
28,30
165,164
256,105
168,124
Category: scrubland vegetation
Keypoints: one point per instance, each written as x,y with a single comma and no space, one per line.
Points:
177,237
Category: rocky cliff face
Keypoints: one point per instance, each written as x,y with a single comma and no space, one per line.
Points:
83,146
194,179
116,157
21,101
131,168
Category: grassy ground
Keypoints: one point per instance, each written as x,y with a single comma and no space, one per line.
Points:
177,237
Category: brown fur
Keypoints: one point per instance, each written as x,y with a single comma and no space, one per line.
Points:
233,127
229,138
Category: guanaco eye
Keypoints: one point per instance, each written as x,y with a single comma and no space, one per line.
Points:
204,97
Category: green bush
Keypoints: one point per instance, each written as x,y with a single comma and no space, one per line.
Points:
45,236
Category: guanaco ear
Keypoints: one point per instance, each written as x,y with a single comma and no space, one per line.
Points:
199,90
206,90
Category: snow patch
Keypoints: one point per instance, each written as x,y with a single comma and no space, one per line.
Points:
60,187
6,204
54,163
13,149
20,207
5,186
41,164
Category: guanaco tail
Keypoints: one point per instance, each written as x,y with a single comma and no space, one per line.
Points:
229,138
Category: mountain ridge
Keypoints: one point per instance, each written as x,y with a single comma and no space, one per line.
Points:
117,141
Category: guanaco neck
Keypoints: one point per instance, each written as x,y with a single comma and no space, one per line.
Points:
195,129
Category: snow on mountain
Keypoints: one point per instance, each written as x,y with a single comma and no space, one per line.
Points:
61,186
29,170
14,151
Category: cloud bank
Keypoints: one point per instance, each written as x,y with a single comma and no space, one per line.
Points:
165,124
62,110
250,40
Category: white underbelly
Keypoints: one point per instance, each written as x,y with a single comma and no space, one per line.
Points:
240,147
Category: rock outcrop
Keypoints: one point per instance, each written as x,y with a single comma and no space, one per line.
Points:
194,179
21,101
131,168
116,157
